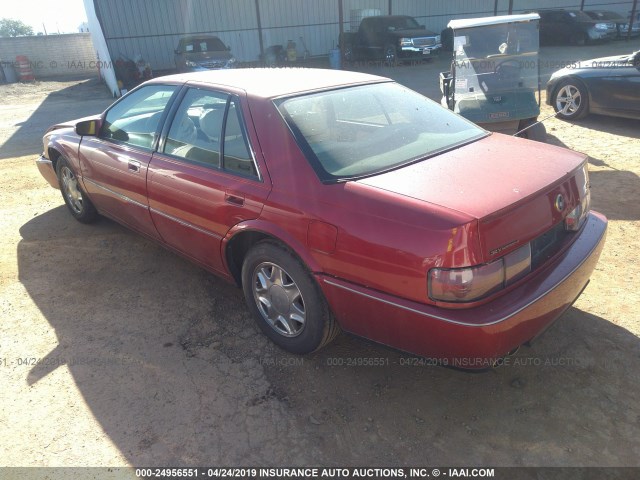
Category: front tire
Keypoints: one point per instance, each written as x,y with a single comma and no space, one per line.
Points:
74,197
571,99
285,300
579,39
390,55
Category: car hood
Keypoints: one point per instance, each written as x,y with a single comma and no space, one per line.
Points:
484,177
71,124
593,65
413,33
204,56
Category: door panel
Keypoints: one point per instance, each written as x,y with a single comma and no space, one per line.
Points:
115,177
204,180
193,206
114,163
618,91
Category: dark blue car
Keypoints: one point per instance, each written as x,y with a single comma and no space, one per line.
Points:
607,86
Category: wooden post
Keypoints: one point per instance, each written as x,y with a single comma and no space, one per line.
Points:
510,7
495,8
582,5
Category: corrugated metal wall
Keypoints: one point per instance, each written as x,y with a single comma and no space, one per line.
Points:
152,28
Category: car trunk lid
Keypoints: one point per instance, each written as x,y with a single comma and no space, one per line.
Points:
517,189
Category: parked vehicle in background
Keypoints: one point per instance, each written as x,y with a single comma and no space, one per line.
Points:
559,26
608,86
202,52
622,24
494,75
390,38
339,199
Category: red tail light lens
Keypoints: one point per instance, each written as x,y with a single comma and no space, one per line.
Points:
457,285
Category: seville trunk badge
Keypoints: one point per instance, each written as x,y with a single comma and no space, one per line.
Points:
559,203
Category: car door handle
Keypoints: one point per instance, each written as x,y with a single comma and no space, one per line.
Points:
134,166
234,200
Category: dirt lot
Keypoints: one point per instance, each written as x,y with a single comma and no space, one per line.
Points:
116,352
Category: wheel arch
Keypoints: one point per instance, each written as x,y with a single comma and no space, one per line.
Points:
562,82
243,236
53,153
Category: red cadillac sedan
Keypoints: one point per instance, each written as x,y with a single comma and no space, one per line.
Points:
339,200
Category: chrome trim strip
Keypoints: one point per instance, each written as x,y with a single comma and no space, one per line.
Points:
466,324
186,224
43,159
116,194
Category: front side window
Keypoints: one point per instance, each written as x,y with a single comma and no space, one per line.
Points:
208,129
360,131
135,119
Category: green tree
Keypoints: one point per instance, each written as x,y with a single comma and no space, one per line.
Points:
14,28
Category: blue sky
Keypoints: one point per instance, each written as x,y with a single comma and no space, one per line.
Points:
57,15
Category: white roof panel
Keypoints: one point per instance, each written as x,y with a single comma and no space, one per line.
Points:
484,21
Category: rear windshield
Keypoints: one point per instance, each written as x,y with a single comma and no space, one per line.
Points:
363,130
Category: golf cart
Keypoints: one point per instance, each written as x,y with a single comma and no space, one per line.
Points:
494,77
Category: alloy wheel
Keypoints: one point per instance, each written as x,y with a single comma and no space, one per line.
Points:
568,100
279,299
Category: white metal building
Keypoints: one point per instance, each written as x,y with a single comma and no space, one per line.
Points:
152,28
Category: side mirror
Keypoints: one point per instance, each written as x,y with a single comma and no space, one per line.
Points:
228,48
423,27
88,128
177,51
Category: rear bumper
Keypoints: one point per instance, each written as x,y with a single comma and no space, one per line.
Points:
471,338
47,171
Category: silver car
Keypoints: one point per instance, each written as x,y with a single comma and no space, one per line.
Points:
202,52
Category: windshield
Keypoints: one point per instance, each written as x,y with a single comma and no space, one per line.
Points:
494,59
402,23
199,45
359,131
580,16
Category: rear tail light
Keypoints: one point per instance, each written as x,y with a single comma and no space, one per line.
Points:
578,215
458,285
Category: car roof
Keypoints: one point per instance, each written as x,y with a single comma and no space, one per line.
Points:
188,37
275,82
486,21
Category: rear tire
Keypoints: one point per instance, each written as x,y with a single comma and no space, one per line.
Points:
75,198
285,300
537,132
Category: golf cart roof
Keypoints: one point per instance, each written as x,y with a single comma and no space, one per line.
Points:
484,21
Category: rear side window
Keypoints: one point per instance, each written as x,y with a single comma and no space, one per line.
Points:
208,129
135,120
237,156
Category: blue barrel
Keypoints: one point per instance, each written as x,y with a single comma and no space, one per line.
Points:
9,72
334,58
